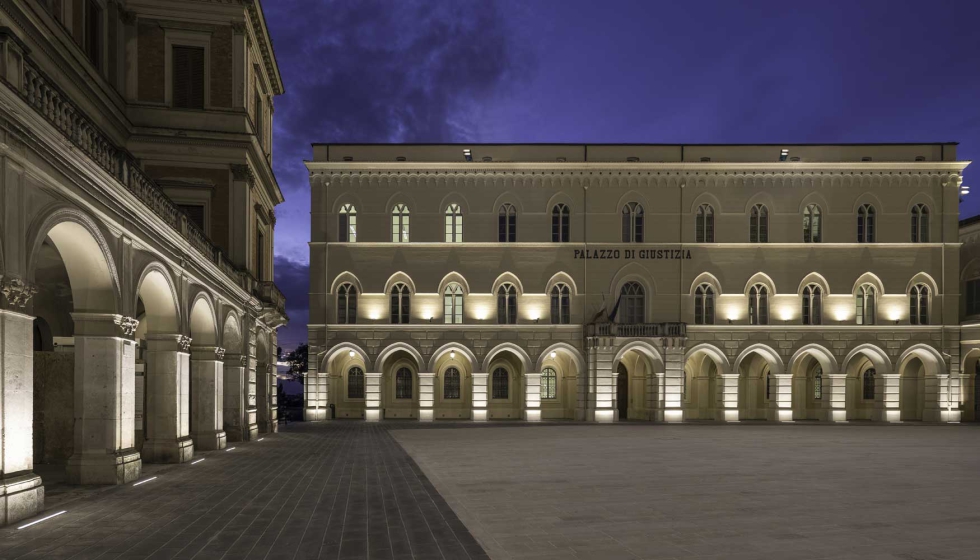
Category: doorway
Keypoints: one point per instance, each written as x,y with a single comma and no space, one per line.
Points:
622,391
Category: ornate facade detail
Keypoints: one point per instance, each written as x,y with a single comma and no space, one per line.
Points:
239,27
17,292
272,217
219,353
127,324
184,343
243,360
242,172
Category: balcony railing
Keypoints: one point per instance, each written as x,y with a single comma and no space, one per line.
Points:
49,101
637,330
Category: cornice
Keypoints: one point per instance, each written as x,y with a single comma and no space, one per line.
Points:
707,168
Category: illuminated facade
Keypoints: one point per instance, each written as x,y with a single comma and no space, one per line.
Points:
138,315
653,282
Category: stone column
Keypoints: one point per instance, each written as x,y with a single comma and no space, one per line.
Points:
105,401
654,411
207,397
673,379
251,400
887,398
315,392
21,491
781,401
265,392
480,397
427,396
233,391
532,397
167,399
729,396
372,397
947,401
835,396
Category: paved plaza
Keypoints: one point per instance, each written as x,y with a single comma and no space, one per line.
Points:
347,490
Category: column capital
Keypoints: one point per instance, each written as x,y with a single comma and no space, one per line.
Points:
207,353
17,292
184,343
127,324
103,324
235,360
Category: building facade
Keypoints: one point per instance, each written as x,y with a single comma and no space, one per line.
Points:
652,282
138,315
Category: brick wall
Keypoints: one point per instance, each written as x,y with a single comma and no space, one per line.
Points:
219,201
221,67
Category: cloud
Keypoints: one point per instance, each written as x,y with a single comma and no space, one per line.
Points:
293,278
380,71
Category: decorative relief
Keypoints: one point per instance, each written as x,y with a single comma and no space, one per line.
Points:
219,353
17,292
184,343
127,324
272,216
239,27
244,360
242,172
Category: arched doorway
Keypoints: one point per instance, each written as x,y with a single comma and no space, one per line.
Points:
505,387
638,376
811,394
453,386
206,379
912,378
699,392
559,368
757,388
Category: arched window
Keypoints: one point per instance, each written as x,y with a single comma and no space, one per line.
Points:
632,223
818,383
865,303
559,224
812,305
919,305
346,304
399,224
866,224
704,224
507,224
869,385
704,305
355,383
453,304
561,312
507,304
758,305
403,384
768,385
450,384
759,224
348,224
549,383
632,301
454,224
400,304
920,223
501,384
811,224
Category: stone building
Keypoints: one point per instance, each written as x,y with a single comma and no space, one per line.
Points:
139,316
653,282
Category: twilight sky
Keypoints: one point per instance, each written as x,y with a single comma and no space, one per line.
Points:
695,71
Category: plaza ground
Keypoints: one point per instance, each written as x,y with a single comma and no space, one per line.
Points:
346,490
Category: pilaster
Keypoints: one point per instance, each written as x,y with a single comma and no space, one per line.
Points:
674,349
167,399
207,397
233,396
480,397
888,401
532,397
315,394
427,396
729,397
781,401
372,397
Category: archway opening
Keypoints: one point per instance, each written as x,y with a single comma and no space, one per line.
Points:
862,388
400,386
559,385
700,395
634,373
453,391
757,388
505,387
811,390
347,384
912,379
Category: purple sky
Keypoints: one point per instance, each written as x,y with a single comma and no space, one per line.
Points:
612,71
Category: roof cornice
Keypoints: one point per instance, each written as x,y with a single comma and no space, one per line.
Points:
255,12
673,166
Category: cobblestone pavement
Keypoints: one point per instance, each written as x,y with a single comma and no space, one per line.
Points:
338,490
734,492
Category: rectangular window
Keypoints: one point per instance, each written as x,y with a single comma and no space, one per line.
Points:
259,253
259,114
973,297
93,33
195,212
188,77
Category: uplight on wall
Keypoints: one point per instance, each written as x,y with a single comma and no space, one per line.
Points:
842,312
785,312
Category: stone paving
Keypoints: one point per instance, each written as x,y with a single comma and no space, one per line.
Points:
738,492
341,490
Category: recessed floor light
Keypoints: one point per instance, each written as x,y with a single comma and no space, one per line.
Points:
145,481
196,462
42,519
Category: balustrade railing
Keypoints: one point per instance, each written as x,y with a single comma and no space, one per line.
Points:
637,330
40,92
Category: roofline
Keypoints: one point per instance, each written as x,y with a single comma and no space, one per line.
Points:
627,144
272,66
745,166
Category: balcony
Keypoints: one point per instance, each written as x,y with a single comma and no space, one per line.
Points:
40,93
637,330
